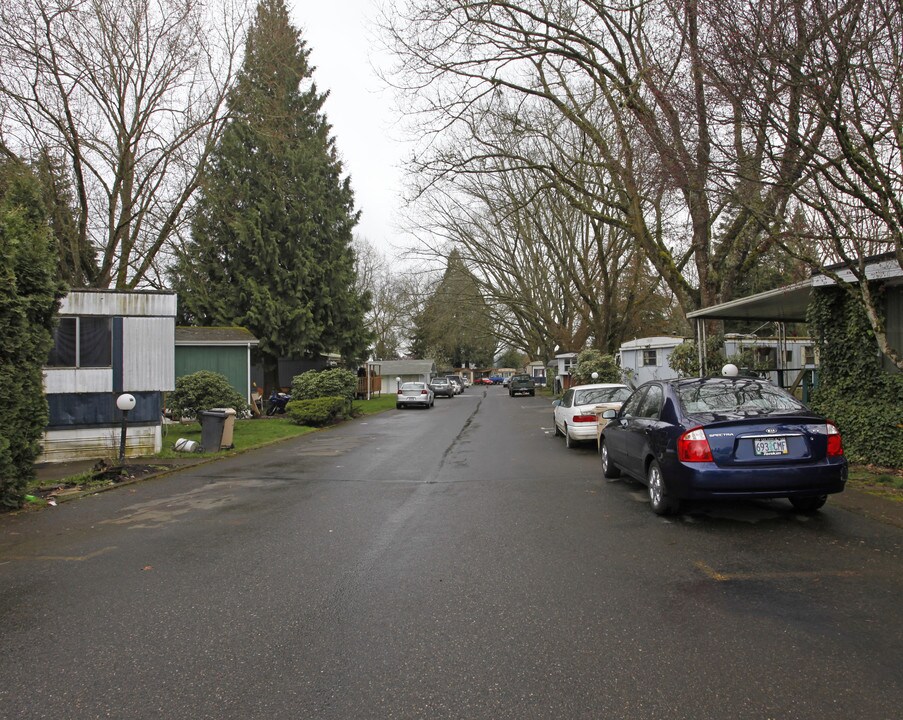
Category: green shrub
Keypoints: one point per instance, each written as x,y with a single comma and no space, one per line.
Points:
684,359
324,383
317,412
590,361
201,391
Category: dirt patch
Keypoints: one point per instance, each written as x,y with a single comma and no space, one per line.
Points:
102,474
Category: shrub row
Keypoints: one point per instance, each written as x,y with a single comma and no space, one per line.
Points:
317,412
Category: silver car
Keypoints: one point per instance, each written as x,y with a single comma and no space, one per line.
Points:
414,394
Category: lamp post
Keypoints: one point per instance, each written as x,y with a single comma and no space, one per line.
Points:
124,402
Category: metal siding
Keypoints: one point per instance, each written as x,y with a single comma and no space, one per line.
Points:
85,409
65,445
79,302
148,354
117,354
230,361
72,380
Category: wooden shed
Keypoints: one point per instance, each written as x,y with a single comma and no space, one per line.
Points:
226,350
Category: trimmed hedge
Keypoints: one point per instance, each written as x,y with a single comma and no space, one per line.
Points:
317,412
854,389
29,296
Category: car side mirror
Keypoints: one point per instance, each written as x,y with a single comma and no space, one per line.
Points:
609,414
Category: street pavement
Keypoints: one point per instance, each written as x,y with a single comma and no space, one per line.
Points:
457,562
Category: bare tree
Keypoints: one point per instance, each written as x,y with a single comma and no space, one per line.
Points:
691,175
131,93
396,297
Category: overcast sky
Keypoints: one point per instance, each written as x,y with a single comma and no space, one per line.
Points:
340,35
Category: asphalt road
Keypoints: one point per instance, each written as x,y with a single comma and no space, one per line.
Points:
457,562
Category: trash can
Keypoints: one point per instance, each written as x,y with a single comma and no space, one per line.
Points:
212,426
228,428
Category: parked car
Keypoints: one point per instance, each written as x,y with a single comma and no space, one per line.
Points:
574,414
442,387
482,381
521,384
723,437
496,379
415,394
457,382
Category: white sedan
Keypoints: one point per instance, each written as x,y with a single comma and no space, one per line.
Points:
414,394
575,415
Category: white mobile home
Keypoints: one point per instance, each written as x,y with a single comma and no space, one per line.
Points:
646,359
106,343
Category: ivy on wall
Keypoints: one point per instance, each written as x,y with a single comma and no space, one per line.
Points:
854,389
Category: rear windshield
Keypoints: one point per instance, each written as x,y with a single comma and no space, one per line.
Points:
413,387
601,395
741,396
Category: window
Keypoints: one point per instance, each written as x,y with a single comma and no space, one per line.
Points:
650,357
633,403
808,355
652,403
567,399
569,364
82,342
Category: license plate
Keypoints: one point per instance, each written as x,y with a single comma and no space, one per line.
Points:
770,446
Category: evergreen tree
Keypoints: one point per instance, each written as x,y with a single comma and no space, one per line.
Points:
454,327
29,297
271,244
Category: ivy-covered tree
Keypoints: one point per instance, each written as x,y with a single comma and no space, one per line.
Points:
77,260
29,296
455,327
271,244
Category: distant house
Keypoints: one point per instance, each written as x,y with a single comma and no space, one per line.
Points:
106,343
226,350
537,370
564,364
407,370
645,359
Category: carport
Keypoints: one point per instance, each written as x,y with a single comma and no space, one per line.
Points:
781,306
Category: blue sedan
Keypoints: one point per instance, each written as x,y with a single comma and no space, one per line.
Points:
723,437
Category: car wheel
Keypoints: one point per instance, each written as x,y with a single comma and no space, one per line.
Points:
608,468
568,442
555,424
808,504
532,393
398,406
658,494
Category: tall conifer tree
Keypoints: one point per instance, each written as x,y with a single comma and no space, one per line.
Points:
271,246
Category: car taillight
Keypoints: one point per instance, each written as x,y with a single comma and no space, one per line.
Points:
584,418
400,392
424,392
835,443
693,446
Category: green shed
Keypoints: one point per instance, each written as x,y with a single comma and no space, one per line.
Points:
225,350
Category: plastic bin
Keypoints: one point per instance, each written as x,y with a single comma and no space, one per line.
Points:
229,429
212,426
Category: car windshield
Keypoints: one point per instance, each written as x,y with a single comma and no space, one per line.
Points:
601,395
412,387
733,397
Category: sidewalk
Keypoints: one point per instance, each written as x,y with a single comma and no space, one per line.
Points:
881,509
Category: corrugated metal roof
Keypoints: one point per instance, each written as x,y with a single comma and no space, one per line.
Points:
406,367
214,336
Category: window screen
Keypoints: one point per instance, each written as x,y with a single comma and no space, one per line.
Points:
62,354
95,342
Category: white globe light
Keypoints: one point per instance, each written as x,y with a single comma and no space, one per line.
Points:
595,376
126,402
730,370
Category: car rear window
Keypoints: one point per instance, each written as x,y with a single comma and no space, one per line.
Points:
412,386
601,395
741,396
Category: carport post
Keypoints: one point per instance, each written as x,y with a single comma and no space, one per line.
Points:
700,345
